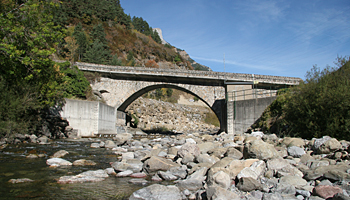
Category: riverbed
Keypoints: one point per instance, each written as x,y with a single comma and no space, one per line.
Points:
14,165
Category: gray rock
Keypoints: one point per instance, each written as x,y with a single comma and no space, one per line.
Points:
124,173
326,145
194,182
138,181
216,192
20,180
43,140
254,171
95,145
232,152
220,178
179,171
110,171
260,150
285,188
131,164
88,176
128,156
83,162
55,162
295,151
60,154
188,148
248,184
206,146
157,192
187,158
304,193
205,158
272,196
296,181
122,138
156,163
109,144
166,176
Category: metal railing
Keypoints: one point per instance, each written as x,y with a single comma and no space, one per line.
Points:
246,94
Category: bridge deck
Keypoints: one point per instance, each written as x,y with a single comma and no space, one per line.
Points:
169,74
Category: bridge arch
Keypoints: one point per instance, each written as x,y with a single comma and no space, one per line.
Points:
146,89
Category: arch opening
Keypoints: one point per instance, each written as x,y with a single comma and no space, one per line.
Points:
209,112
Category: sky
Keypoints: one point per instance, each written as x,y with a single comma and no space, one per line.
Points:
267,37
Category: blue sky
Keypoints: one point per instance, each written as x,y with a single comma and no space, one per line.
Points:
273,37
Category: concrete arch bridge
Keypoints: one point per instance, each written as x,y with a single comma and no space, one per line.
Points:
120,86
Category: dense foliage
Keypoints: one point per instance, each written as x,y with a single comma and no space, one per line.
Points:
30,81
318,107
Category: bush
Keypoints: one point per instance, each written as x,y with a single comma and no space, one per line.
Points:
318,107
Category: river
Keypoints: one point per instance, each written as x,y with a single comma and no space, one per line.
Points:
14,164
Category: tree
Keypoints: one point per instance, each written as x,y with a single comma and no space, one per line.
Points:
81,40
97,53
29,80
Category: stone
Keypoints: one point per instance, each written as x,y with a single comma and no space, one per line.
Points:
220,178
188,148
272,196
110,171
289,142
88,176
230,166
83,162
253,171
283,167
156,163
194,182
260,150
138,175
216,192
43,140
60,154
32,156
55,162
205,158
109,144
340,196
205,147
218,152
131,164
248,184
138,181
178,171
120,139
167,176
295,181
285,188
233,153
295,151
95,145
326,191
20,180
187,158
313,164
128,156
33,138
157,191
329,146
124,173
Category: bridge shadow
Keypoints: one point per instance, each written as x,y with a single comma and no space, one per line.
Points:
161,131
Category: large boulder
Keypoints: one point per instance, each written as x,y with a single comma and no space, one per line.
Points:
248,184
260,150
156,163
220,178
88,176
254,171
295,151
134,165
216,192
325,145
195,181
122,138
188,148
157,191
55,162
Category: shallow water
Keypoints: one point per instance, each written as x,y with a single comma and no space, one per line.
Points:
14,164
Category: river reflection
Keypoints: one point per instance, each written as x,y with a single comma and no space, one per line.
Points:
14,164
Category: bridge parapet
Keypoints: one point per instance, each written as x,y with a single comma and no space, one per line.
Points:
194,74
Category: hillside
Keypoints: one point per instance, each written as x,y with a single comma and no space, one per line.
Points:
100,32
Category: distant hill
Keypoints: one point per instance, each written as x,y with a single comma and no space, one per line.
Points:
98,31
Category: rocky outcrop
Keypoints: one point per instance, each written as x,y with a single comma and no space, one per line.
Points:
159,115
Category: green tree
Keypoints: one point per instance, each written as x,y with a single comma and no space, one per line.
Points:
115,61
97,53
29,80
81,40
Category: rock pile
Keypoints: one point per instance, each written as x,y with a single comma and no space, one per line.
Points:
248,166
153,114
